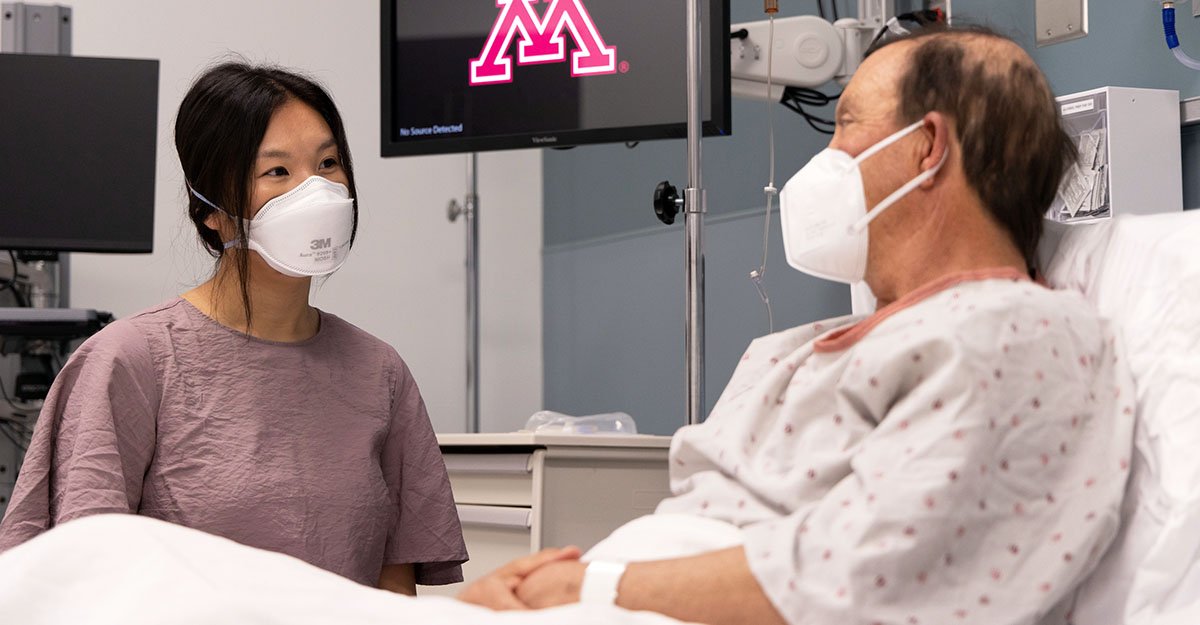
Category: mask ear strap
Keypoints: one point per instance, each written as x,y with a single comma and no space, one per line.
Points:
196,193
896,136
226,244
861,224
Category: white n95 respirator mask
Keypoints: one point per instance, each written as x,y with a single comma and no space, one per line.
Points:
823,210
304,232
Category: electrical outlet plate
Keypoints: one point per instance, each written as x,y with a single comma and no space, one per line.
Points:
1061,20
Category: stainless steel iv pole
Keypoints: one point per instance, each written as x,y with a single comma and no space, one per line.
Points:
469,210
694,208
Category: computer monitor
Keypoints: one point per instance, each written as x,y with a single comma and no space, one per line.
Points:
476,75
78,138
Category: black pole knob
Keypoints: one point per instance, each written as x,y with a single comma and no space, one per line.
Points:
666,202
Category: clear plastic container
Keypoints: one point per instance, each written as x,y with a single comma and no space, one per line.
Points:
548,422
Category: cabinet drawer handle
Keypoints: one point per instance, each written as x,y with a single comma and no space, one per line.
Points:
495,516
493,464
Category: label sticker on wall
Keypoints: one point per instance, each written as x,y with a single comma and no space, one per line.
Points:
1079,107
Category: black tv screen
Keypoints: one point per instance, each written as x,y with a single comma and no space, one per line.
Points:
476,75
78,138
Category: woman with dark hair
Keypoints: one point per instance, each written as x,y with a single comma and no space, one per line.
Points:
238,408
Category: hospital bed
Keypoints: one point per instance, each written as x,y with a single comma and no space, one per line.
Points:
1141,272
1144,274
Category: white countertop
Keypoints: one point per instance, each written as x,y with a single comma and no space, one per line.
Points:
557,440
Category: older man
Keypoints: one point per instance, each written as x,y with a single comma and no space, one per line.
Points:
960,455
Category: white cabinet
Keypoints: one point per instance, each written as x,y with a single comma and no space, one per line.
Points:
517,493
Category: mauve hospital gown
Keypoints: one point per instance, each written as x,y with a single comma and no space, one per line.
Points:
959,457
320,449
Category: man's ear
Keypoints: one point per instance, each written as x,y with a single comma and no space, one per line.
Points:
937,128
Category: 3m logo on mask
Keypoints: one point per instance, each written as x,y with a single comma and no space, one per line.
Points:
321,244
542,41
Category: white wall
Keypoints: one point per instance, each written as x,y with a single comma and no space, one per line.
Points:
404,282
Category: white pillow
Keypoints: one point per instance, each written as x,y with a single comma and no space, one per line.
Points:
1143,272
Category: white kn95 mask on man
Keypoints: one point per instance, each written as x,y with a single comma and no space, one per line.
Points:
304,232
823,210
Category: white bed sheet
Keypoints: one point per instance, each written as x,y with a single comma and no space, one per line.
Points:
131,570
1144,274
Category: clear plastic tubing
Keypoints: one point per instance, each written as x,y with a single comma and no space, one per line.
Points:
1168,18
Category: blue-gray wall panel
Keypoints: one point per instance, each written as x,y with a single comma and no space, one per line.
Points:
601,190
614,317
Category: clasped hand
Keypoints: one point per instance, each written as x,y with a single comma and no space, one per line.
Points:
545,579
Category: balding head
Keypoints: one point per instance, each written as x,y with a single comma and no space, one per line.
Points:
1013,148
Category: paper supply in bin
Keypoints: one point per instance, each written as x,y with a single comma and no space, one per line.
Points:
549,422
1090,144
1075,189
1099,199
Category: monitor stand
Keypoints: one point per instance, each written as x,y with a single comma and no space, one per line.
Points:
44,270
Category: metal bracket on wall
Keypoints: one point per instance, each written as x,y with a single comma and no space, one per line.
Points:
1189,111
41,29
1061,20
35,28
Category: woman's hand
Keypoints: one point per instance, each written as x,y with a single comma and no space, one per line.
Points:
498,590
554,584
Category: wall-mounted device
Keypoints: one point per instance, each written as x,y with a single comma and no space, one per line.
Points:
1130,160
811,51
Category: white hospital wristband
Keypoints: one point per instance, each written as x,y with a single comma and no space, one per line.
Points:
600,581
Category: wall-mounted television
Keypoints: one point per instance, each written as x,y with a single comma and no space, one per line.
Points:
477,75
78,138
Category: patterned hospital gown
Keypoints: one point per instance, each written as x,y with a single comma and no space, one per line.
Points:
959,457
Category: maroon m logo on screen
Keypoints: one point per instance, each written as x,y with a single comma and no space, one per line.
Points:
541,41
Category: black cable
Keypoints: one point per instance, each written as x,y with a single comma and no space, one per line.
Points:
921,18
796,98
823,126
14,439
11,438
833,3
18,425
879,35
741,33
9,400
821,8
24,430
812,97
